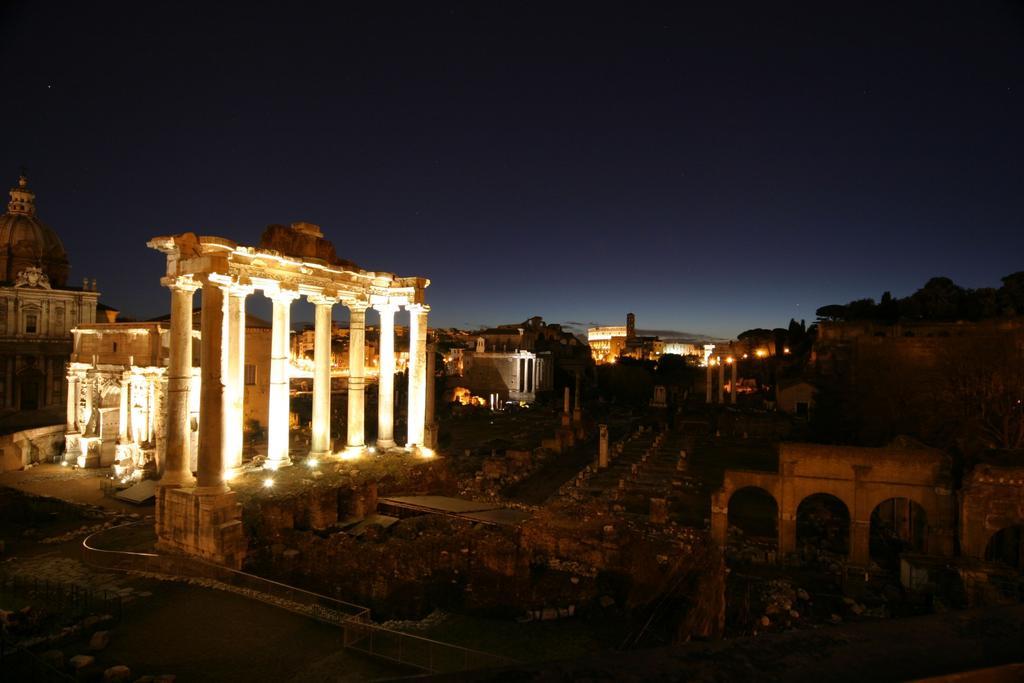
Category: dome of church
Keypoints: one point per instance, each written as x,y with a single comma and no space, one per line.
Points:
27,242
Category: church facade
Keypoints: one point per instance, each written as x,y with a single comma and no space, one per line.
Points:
37,309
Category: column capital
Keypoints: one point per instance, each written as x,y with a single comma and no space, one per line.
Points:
386,307
357,306
239,290
282,296
322,299
183,283
417,308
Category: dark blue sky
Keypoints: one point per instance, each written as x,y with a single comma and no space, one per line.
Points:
710,170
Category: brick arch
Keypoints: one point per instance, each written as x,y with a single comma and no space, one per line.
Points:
756,487
851,541
875,496
839,492
730,517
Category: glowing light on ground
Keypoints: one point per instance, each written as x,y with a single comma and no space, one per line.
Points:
311,463
268,482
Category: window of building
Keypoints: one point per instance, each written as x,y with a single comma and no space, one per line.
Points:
31,323
802,408
250,375
115,347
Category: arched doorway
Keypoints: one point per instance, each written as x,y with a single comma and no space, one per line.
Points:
1007,547
823,523
898,525
755,513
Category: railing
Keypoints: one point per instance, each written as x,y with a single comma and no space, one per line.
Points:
417,651
307,603
359,633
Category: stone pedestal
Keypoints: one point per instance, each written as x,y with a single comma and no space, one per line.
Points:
602,449
659,511
207,526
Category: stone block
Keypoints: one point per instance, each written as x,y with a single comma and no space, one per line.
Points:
81,661
205,525
117,674
99,641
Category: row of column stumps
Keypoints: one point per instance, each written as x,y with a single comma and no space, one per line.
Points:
223,323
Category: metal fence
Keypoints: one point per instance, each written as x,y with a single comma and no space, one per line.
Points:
359,633
69,603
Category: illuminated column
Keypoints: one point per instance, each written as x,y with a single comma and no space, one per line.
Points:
417,373
565,408
386,381
72,405
234,418
356,378
320,444
213,325
721,382
602,447
732,391
280,409
710,377
122,413
429,427
175,468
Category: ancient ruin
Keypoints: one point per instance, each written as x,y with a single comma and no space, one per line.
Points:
200,516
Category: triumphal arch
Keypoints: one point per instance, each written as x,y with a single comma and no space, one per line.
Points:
199,515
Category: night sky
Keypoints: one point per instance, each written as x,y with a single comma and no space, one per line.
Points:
709,170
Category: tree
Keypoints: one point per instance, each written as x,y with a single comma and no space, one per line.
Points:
832,312
939,299
982,392
1011,294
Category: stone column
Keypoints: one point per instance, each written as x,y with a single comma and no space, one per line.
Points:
386,380
429,427
565,408
356,376
417,373
280,402
602,448
320,443
732,391
122,413
213,323
710,382
577,411
175,469
234,381
721,382
72,404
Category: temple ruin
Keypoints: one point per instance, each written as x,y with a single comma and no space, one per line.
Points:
199,515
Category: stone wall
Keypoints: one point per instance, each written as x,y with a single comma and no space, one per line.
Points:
992,499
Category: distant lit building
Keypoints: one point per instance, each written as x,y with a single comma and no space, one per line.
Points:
621,341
